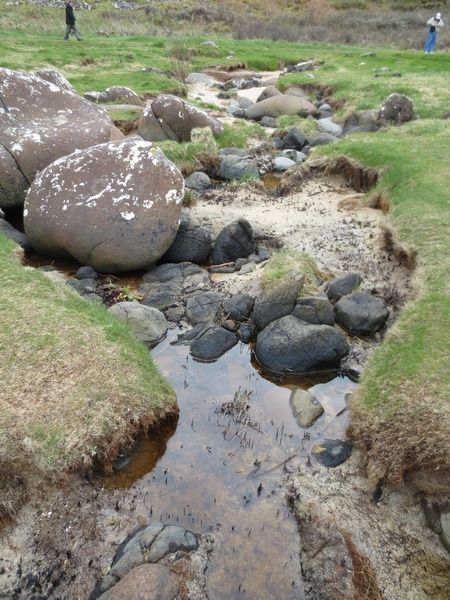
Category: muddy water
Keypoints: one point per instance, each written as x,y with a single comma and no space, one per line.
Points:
215,476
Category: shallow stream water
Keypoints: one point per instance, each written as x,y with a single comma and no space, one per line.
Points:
221,474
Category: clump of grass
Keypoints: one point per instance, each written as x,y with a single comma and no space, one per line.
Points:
190,156
76,385
308,126
288,264
238,134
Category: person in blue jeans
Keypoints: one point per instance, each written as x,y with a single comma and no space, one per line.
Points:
435,23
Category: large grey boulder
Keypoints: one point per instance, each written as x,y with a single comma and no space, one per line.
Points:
192,243
269,92
234,241
290,346
237,167
342,285
175,119
396,109
280,105
115,206
40,121
361,313
148,324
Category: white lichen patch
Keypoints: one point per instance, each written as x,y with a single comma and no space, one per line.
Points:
128,215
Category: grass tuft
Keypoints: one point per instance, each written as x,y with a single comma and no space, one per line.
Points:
289,264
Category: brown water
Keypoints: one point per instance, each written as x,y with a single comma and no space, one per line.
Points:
212,475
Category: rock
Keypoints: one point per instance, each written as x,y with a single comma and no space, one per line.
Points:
263,254
234,241
86,273
295,155
246,332
277,142
445,529
153,582
294,139
174,314
2,214
162,297
116,94
235,110
213,343
203,308
316,310
239,307
223,268
223,76
171,539
192,243
210,43
235,167
268,122
244,102
39,123
287,345
306,65
306,408
321,139
269,92
324,107
277,301
280,105
247,268
240,262
55,77
241,152
201,78
361,313
396,109
241,84
127,191
83,286
15,235
331,453
342,285
283,163
327,126
366,120
294,90
176,120
148,324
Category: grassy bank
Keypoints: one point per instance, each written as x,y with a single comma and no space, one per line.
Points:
76,386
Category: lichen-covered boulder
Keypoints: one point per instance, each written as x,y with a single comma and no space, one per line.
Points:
40,121
115,206
396,109
117,94
170,117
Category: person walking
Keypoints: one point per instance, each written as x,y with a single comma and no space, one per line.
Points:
70,23
435,23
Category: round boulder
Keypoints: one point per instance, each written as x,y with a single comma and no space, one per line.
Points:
280,105
290,346
192,243
361,313
396,109
114,207
148,324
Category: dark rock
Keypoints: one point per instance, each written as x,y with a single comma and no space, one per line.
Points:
247,268
340,286
268,122
148,324
241,84
361,313
191,244
290,346
294,139
246,332
198,181
83,286
213,343
86,273
162,297
231,268
277,143
396,109
238,307
234,241
277,301
174,314
263,254
235,167
230,325
203,307
321,139
14,234
241,152
314,309
331,453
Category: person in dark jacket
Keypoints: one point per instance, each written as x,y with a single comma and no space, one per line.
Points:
70,22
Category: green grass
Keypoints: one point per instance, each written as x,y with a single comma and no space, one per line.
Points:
287,264
237,135
76,385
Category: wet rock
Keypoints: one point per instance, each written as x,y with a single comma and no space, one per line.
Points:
268,122
283,163
269,92
175,313
83,286
187,337
342,285
361,121
396,109
162,296
288,345
280,105
127,191
322,139
361,313
198,181
14,234
204,307
213,343
148,324
170,117
314,309
239,307
86,273
192,243
41,122
331,453
277,300
235,167
306,408
234,241
170,540
246,332
295,155
328,126
294,139
154,582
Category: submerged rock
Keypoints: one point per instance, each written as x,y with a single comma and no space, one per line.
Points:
290,346
361,313
306,408
148,324
331,453
155,581
213,343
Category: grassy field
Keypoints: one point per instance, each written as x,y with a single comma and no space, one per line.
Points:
76,386
401,414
